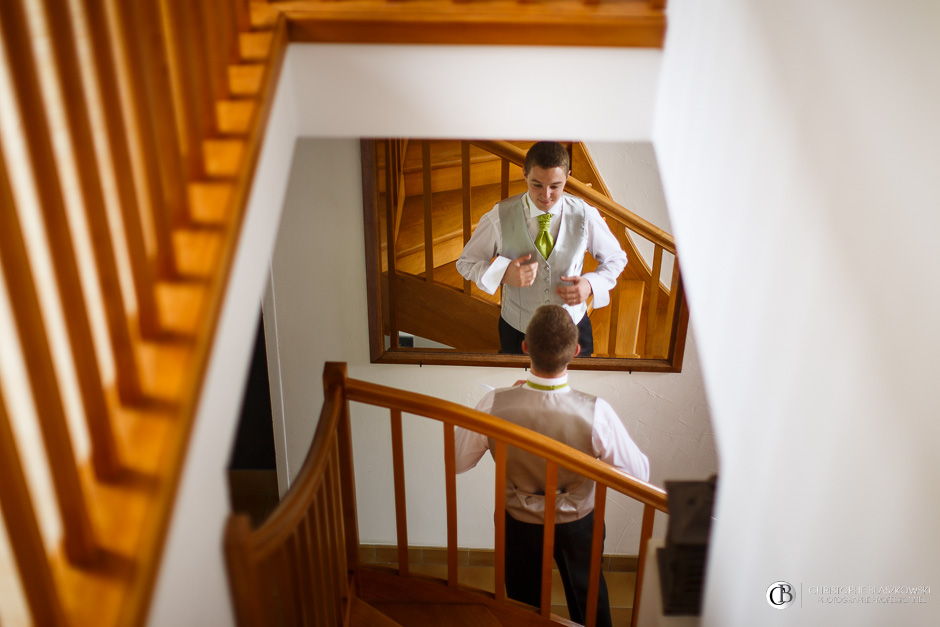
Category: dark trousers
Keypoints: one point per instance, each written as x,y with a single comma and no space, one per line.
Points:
510,339
572,556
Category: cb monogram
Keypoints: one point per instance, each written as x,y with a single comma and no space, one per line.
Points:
780,595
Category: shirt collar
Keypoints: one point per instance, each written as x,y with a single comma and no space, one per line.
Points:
553,383
534,211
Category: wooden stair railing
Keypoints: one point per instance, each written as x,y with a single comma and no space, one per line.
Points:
644,317
296,563
123,184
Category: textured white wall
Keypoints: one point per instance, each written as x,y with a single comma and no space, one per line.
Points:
322,316
799,148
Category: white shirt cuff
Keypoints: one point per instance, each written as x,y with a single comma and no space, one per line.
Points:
493,276
601,294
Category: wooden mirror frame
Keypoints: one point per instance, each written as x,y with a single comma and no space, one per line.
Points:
406,355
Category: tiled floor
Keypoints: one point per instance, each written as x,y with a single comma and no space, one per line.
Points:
475,570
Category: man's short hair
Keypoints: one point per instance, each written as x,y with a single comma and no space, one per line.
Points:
551,339
547,155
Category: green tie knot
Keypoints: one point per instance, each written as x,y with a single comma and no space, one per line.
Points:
543,241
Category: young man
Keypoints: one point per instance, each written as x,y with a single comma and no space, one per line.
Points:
546,404
533,245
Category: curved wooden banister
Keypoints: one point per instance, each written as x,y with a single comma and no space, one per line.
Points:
605,205
514,435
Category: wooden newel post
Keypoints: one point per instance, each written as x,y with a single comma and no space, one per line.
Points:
334,382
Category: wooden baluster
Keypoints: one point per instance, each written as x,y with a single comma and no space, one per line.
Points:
295,575
646,530
202,99
316,562
141,271
284,583
390,223
620,234
186,91
671,309
652,304
306,572
23,531
335,375
154,67
465,184
38,139
142,129
548,541
597,552
450,483
338,558
499,541
80,544
242,15
324,525
398,470
216,57
428,193
504,178
228,31
62,38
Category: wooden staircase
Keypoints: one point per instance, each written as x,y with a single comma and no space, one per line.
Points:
428,231
302,565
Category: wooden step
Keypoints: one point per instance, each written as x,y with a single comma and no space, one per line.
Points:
438,614
380,586
363,614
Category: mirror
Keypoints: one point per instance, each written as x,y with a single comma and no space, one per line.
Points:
422,201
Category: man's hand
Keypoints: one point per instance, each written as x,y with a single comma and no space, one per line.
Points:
519,273
577,292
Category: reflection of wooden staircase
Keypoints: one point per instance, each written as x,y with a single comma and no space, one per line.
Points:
445,309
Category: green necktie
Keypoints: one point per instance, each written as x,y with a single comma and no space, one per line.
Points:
544,241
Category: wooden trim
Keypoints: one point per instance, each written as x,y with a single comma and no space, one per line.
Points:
126,372
443,357
511,434
391,233
469,23
466,217
597,550
646,531
450,488
398,471
548,536
22,528
106,71
370,233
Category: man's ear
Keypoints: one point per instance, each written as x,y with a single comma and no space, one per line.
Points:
525,348
577,350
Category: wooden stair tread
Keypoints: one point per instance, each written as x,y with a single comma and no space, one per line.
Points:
441,614
363,614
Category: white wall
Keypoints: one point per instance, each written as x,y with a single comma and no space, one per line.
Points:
192,587
322,316
799,148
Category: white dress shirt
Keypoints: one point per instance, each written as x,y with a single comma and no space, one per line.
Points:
480,263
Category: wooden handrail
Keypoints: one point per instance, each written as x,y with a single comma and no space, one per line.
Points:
605,205
513,435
